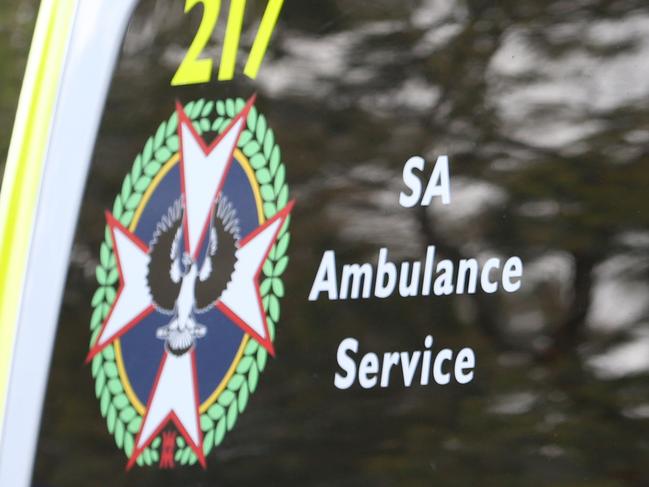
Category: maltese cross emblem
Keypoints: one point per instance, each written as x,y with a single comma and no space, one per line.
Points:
188,303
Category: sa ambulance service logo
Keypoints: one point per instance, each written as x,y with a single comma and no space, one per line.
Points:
189,282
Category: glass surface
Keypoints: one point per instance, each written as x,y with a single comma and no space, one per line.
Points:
543,111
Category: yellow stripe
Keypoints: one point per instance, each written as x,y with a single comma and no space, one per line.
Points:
231,42
126,383
262,39
24,168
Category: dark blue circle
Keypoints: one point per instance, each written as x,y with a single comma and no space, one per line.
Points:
141,350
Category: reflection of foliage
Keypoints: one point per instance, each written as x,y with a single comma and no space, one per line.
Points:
257,142
354,87
451,63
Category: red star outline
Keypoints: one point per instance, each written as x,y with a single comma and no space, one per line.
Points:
266,342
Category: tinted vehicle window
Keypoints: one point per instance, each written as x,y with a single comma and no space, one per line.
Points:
466,291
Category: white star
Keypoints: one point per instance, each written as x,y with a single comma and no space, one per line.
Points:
174,395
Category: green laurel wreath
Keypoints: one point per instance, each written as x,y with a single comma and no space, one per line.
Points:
257,142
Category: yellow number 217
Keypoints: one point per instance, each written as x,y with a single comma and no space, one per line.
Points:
193,70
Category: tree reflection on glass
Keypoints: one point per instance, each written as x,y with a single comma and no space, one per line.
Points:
543,110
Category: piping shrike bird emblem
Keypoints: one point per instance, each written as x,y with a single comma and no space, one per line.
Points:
189,297
184,288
